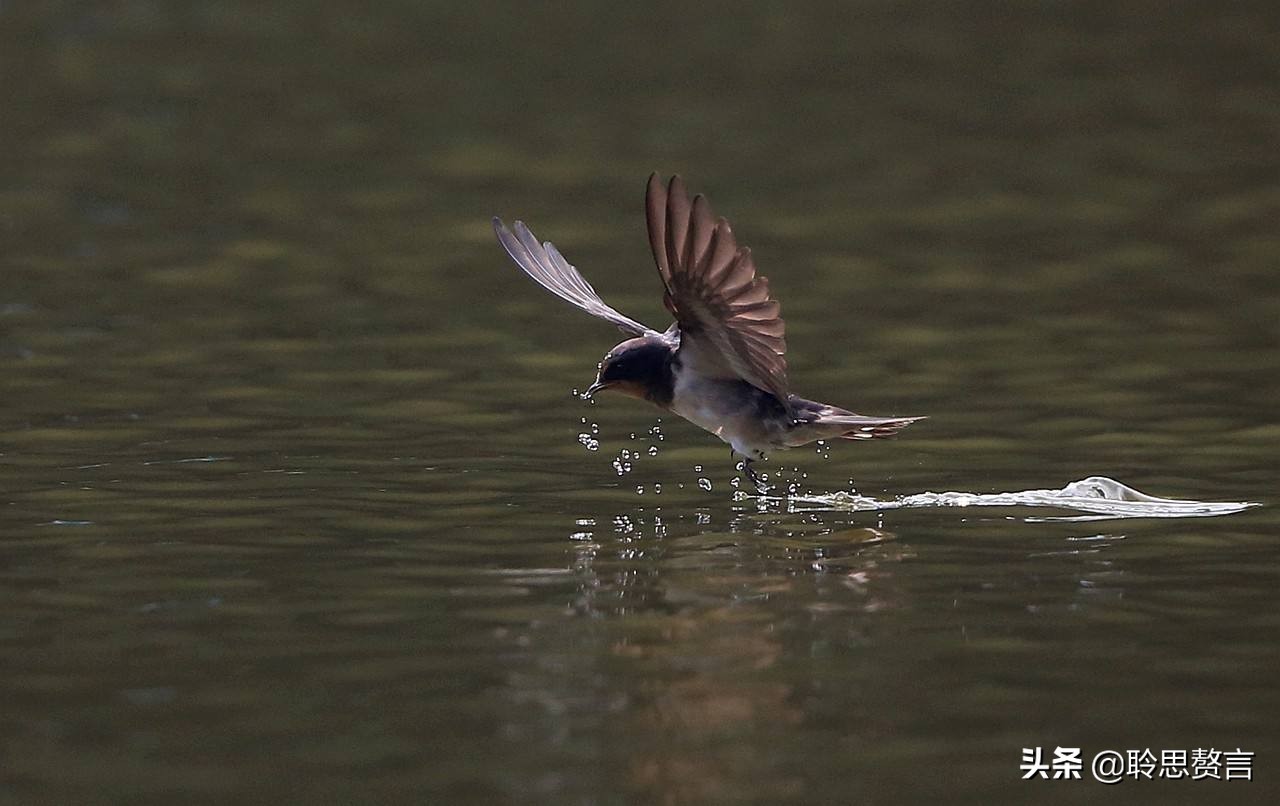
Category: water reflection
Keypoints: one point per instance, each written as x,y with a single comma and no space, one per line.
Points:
700,636
692,623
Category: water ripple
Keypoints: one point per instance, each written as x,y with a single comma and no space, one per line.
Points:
1099,496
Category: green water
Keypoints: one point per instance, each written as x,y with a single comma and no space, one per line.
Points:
293,506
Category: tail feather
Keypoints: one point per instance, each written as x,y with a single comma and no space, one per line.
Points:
816,420
870,427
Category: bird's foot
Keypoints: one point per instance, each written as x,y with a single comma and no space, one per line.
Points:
757,478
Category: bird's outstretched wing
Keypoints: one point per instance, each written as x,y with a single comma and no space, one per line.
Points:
544,263
730,326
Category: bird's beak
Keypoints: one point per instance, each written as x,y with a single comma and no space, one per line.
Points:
593,388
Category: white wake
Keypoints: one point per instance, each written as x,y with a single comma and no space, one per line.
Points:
1099,496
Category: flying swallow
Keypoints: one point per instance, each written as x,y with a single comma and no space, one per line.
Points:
721,365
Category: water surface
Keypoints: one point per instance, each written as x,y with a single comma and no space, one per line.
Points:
292,496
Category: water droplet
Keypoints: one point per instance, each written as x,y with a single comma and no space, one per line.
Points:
639,489
657,489
697,468
653,450
589,442
705,484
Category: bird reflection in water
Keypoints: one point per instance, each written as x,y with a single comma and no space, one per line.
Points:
698,638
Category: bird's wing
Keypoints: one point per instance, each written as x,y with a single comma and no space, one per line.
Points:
544,263
729,324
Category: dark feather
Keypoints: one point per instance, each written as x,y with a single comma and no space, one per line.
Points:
729,324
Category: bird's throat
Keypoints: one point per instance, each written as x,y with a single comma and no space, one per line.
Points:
656,378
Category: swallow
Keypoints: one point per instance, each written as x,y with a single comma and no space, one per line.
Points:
722,364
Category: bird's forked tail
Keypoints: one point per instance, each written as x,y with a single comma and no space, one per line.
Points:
823,421
870,427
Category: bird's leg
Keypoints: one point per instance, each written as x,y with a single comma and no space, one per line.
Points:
756,478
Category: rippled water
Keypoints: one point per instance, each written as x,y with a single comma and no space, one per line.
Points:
298,504
1101,497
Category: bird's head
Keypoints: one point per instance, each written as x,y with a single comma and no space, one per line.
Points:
637,367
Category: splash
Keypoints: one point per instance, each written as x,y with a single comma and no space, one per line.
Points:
1100,497
622,462
643,446
589,439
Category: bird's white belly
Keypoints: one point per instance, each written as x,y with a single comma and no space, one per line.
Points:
715,405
